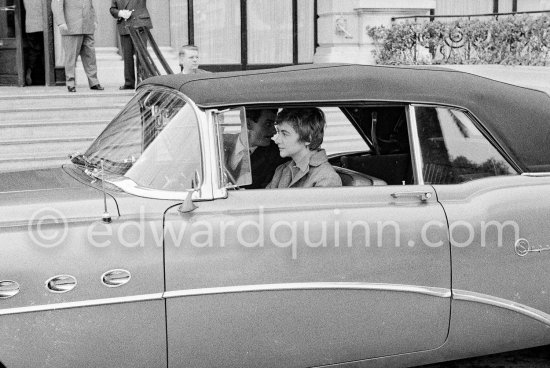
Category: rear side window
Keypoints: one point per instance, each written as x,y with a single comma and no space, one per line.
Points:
453,149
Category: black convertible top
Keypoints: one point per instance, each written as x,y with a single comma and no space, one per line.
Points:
517,117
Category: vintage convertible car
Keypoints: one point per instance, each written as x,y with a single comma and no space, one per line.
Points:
146,251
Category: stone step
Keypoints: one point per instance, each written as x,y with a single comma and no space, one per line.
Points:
64,100
41,125
60,146
57,114
41,130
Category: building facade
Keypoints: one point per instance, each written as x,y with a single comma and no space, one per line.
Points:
242,34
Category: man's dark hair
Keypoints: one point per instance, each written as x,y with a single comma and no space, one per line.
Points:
254,114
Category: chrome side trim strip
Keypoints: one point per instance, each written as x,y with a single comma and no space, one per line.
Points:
425,290
79,304
471,296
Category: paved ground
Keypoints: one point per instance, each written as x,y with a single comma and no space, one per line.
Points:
528,358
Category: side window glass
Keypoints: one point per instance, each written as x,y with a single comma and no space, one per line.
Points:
340,135
453,149
234,148
387,161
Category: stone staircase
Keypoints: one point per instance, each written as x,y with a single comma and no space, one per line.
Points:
40,127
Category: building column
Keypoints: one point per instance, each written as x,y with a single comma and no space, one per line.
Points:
342,34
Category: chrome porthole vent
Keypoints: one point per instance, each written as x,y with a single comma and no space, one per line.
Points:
61,283
115,278
8,289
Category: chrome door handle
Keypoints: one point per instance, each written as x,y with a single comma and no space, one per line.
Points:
61,283
115,278
423,196
7,8
8,289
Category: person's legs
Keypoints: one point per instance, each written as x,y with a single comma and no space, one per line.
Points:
87,54
71,45
34,52
128,57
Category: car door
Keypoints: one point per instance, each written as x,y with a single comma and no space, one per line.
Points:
306,276
498,222
76,291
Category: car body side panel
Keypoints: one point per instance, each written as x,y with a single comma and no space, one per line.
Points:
298,328
117,335
476,330
274,278
501,292
122,326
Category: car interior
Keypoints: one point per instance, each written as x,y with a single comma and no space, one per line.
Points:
384,128
379,150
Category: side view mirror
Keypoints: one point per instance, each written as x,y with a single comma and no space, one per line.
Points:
188,205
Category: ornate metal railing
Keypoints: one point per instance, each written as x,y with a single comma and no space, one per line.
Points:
505,38
468,16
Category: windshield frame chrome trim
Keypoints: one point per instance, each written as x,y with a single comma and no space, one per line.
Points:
127,185
214,154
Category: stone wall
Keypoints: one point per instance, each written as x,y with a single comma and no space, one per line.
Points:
342,26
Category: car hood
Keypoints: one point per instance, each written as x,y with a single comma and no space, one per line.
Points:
48,193
36,180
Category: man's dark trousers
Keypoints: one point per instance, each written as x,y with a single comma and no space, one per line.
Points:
128,52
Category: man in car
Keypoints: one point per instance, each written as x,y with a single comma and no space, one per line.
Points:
264,153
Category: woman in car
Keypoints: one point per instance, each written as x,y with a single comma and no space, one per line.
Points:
299,136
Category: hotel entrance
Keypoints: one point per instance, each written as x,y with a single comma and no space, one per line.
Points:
11,44
25,49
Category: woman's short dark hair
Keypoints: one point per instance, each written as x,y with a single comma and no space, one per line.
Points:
309,123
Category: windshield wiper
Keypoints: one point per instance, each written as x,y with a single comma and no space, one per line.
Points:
81,160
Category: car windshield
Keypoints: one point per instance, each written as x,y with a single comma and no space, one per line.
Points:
154,141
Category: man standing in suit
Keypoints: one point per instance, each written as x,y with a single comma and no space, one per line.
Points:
130,13
34,53
264,153
77,22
